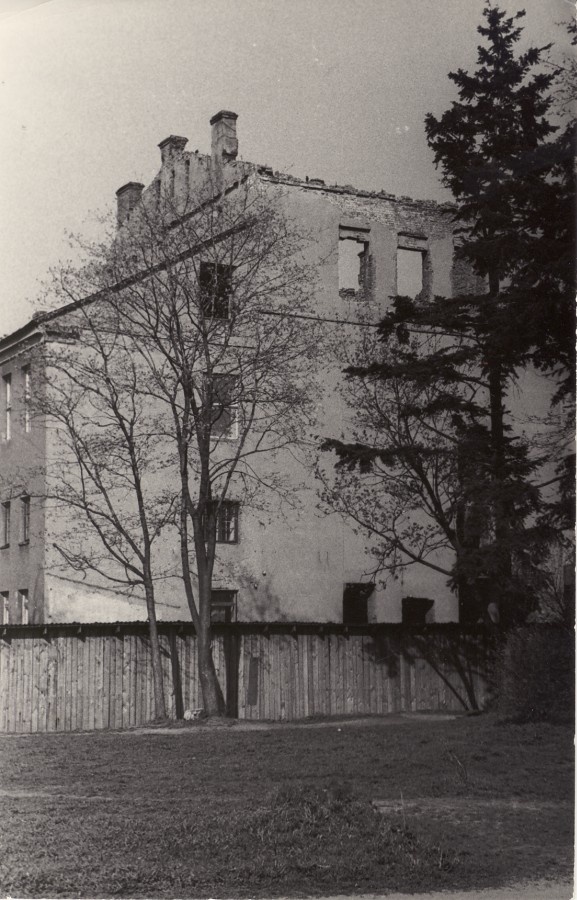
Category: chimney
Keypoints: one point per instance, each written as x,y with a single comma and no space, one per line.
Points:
171,146
127,198
224,143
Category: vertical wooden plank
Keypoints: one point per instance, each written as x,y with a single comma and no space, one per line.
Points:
52,685
305,660
3,685
118,665
125,679
105,705
98,681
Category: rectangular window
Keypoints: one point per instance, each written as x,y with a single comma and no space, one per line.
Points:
355,603
354,263
4,607
24,519
26,396
412,256
223,606
6,524
215,286
227,522
417,610
224,407
7,384
23,613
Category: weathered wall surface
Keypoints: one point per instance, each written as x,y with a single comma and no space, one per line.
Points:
22,474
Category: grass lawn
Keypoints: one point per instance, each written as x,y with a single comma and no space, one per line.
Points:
224,813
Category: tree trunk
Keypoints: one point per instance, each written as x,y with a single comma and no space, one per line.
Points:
212,695
159,699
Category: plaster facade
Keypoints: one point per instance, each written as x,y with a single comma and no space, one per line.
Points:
290,564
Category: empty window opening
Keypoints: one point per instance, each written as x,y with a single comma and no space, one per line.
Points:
7,385
27,396
417,610
23,612
356,603
410,272
224,407
215,285
354,264
6,524
24,519
222,606
4,607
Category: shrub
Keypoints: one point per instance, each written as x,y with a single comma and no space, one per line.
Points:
534,674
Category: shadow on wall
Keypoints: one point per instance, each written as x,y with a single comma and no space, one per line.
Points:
459,658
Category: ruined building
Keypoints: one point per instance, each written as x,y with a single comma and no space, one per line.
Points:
294,564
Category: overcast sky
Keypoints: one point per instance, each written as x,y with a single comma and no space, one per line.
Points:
332,89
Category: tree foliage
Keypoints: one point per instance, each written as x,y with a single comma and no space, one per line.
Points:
460,359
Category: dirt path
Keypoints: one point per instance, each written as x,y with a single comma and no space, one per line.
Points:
539,890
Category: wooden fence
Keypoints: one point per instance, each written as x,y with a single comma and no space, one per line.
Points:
70,677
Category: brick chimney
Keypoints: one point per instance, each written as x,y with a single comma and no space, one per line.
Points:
127,197
171,146
224,143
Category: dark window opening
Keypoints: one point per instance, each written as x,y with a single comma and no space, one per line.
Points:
226,522
416,610
6,524
222,606
7,382
215,284
224,407
356,603
25,520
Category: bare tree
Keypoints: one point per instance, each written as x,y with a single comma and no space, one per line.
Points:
104,493
203,309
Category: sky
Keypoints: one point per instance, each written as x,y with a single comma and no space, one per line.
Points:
332,89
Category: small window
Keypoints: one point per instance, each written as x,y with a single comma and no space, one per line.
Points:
215,284
26,396
24,519
417,610
227,522
355,603
223,606
224,408
23,613
4,607
6,524
354,263
7,383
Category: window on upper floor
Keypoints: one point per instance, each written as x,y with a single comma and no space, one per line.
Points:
4,607
412,257
7,389
224,409
5,525
354,263
215,286
227,522
26,397
24,519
